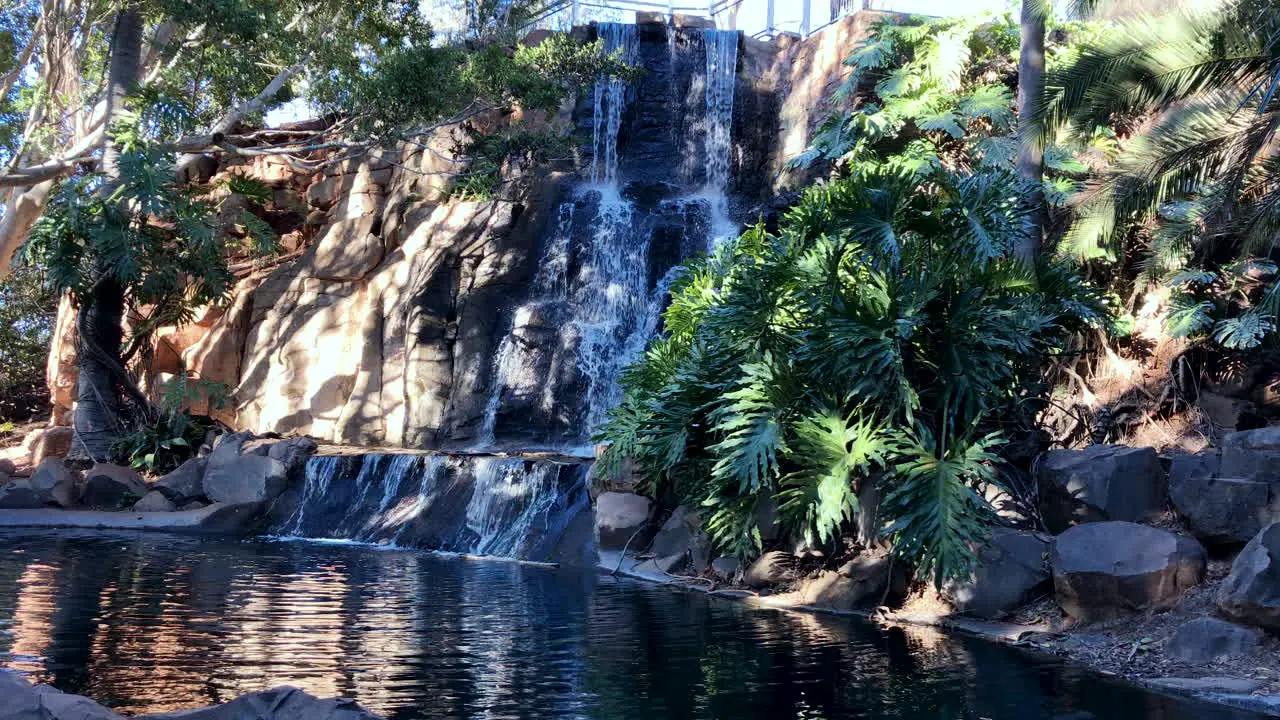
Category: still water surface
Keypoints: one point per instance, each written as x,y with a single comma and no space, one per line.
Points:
151,623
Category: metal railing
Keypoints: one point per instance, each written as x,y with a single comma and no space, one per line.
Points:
759,18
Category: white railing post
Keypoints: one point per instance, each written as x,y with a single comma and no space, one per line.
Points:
573,13
806,20
769,19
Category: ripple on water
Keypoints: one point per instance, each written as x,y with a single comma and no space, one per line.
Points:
152,623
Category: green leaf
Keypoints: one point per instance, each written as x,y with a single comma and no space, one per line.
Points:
1187,317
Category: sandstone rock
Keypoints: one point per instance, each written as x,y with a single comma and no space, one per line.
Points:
1221,410
48,442
184,484
861,582
1205,640
54,478
154,501
1232,685
194,505
282,703
621,517
726,569
19,495
681,545
244,478
1218,510
771,568
1101,482
1251,592
346,250
111,486
1011,566
1103,569
1252,455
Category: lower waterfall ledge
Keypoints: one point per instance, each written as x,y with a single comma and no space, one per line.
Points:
215,519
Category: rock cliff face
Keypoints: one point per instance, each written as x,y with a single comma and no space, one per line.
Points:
399,317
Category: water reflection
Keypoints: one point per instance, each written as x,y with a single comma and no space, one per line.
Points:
152,623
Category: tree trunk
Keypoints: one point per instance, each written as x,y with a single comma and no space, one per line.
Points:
1030,90
98,420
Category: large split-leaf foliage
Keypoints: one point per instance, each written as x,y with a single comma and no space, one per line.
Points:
882,336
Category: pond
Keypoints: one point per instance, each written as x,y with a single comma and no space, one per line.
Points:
152,623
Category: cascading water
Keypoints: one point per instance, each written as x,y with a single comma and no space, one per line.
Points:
609,99
722,74
596,293
506,507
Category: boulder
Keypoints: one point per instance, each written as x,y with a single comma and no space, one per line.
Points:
112,486
772,568
243,478
1103,569
681,545
282,703
1217,510
294,453
621,517
1011,566
726,569
1101,482
1251,592
184,484
53,477
7,468
861,582
22,701
1252,455
49,442
19,495
154,501
1207,639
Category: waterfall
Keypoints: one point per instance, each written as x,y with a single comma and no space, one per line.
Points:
598,293
609,99
722,74
483,505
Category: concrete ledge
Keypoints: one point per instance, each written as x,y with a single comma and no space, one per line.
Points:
216,519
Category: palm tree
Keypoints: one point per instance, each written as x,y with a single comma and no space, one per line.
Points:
1197,184
1030,90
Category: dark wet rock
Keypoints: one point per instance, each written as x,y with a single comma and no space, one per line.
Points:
154,501
53,477
681,545
112,486
1101,482
1011,567
621,518
1251,592
282,703
726,569
772,568
1205,640
185,484
1218,510
1103,569
243,478
20,700
19,495
1252,455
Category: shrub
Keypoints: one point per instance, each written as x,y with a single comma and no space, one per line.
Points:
882,335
